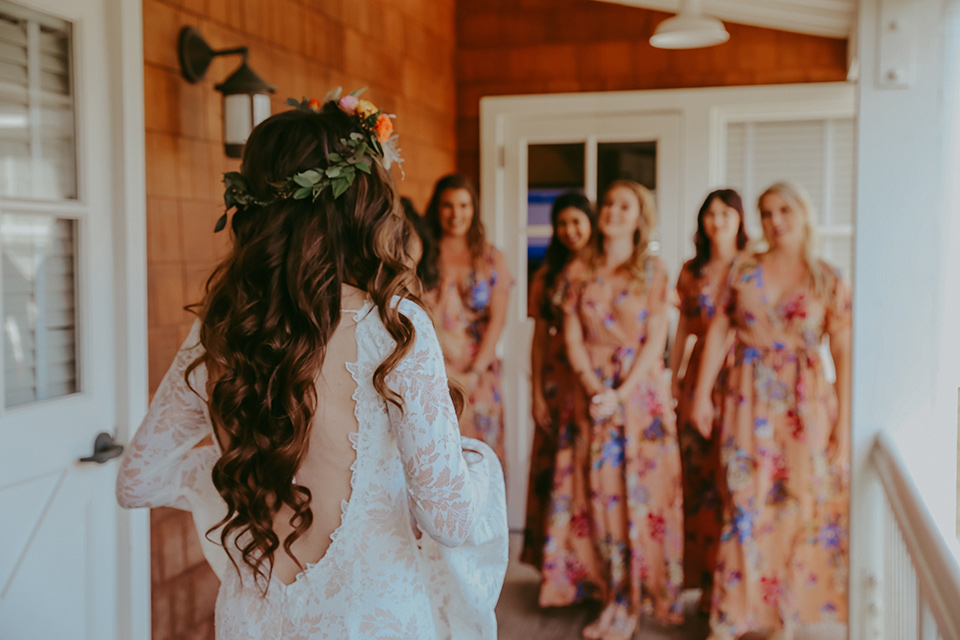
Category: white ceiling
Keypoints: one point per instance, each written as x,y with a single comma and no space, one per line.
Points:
832,18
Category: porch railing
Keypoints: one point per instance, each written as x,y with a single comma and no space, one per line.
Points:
917,596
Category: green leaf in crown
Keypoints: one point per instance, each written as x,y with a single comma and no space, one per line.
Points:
372,141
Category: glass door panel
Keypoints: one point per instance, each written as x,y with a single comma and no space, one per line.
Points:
552,169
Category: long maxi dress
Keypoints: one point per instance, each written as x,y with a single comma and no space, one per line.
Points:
556,380
634,458
783,554
461,308
557,535
699,456
376,579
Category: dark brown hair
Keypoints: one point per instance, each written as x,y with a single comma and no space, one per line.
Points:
558,255
270,309
476,235
730,198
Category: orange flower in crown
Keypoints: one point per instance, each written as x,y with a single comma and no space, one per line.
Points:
372,141
384,127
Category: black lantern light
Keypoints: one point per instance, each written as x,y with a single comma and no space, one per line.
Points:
246,96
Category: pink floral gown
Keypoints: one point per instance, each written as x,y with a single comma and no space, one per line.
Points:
783,549
699,456
461,309
636,505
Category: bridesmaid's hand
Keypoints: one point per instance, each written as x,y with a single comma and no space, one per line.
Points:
604,404
541,412
838,449
675,388
701,414
467,380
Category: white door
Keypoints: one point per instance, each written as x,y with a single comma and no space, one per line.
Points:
649,145
58,520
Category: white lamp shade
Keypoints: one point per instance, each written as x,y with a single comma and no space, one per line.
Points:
241,113
689,31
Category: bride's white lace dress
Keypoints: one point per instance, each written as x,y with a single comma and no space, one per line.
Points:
376,580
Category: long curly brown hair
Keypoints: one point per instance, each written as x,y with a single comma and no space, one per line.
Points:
270,310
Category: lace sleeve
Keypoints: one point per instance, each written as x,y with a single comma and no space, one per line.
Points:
159,465
443,498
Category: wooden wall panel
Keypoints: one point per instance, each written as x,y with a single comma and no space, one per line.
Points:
518,47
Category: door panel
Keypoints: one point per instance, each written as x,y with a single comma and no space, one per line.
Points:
58,535
601,138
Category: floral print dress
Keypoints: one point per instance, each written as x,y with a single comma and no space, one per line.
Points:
633,460
783,554
699,456
461,309
556,381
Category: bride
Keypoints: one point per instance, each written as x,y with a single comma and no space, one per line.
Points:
307,422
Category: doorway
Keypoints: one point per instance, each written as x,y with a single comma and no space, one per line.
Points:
548,156
682,143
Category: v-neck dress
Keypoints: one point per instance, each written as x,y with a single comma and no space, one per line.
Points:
635,513
376,579
783,553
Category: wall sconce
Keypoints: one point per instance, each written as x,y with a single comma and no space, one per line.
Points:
246,96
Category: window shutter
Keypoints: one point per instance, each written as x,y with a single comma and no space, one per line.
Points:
817,154
38,275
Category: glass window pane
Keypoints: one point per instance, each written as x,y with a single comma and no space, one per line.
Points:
39,303
37,128
635,161
552,169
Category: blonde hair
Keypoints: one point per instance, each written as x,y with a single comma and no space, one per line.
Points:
798,198
636,265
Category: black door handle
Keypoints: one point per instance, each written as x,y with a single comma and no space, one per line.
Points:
104,448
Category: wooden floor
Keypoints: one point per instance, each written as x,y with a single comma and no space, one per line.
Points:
520,618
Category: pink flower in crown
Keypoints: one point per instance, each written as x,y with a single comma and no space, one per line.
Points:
348,104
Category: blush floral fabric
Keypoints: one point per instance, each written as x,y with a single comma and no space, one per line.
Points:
632,458
376,579
783,553
461,307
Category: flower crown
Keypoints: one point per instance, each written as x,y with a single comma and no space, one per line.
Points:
372,141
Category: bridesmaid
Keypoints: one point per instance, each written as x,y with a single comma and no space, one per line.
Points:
616,330
720,235
573,219
469,306
782,560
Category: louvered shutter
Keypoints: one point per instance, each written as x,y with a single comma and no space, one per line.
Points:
818,154
38,237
